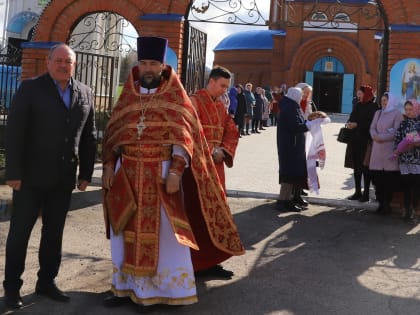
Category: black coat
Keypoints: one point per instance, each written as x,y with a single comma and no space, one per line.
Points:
291,130
362,114
259,105
240,109
45,141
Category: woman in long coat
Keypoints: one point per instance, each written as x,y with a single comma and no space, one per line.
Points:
258,110
291,130
240,109
385,171
360,119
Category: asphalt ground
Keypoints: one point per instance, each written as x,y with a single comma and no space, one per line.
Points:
337,257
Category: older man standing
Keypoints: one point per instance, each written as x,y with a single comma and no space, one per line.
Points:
50,131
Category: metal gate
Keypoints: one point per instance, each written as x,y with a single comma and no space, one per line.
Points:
103,49
194,65
97,71
10,76
242,12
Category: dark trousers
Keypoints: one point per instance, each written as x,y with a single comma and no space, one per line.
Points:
27,204
411,187
386,182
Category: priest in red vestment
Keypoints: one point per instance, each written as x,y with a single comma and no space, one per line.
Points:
152,138
222,137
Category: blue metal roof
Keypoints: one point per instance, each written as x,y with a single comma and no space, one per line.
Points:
256,39
20,20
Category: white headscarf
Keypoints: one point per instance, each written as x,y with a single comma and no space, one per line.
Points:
295,94
302,85
392,103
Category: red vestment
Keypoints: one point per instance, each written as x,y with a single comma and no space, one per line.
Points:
170,120
220,131
219,128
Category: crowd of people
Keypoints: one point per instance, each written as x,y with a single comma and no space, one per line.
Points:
384,149
252,110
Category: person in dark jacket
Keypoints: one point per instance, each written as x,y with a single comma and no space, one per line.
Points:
240,109
258,110
50,132
291,130
360,120
250,104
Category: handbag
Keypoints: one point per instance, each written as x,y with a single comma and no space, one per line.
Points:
345,135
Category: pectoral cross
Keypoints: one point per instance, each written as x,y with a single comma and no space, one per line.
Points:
141,125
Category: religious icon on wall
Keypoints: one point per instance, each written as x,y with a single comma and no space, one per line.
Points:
405,80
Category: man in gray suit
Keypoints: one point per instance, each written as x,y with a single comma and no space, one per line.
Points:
50,131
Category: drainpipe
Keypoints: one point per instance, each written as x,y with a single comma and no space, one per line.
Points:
385,50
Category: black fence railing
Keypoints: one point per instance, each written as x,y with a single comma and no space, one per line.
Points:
99,73
10,77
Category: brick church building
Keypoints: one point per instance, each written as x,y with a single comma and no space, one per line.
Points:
334,45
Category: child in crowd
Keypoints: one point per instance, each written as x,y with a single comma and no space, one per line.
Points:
315,156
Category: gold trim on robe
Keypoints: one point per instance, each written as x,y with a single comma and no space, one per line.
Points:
170,120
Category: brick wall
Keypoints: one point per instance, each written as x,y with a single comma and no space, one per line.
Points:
61,16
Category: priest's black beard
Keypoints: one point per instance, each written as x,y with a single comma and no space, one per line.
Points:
153,84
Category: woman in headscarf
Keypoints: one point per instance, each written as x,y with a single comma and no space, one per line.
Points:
360,119
306,104
385,171
409,161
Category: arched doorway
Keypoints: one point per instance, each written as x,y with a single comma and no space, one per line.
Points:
333,88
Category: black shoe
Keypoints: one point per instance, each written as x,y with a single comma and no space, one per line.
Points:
115,301
216,271
52,292
364,198
303,193
356,196
12,299
287,206
262,128
300,202
247,133
256,131
242,133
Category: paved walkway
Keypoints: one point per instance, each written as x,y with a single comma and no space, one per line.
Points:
255,170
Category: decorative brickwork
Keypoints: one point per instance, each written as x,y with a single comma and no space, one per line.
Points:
60,17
